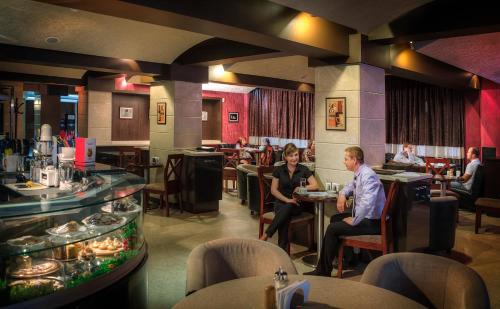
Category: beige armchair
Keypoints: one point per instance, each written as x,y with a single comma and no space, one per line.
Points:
232,258
433,281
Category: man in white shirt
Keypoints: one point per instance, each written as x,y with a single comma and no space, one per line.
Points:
465,182
408,155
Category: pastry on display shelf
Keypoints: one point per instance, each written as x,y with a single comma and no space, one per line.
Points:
31,288
86,254
26,241
70,229
104,220
108,246
124,205
29,268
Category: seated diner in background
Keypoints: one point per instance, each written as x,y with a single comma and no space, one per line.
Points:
286,181
364,219
407,155
465,182
267,158
245,156
308,155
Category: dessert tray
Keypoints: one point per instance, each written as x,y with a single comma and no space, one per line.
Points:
70,229
30,269
27,241
121,207
108,246
104,220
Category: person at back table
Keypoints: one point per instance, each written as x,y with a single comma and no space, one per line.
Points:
465,182
369,200
407,155
286,180
245,157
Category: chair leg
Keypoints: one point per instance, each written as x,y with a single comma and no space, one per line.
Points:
261,229
478,219
180,202
145,194
167,205
340,259
161,201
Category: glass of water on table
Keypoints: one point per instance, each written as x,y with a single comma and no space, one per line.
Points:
303,186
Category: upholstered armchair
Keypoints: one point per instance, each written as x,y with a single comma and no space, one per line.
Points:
433,281
467,199
232,258
242,171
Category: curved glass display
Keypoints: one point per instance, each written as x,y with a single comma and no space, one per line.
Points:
60,239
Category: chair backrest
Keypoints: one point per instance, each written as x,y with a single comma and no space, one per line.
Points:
429,165
231,157
129,155
267,157
232,258
172,173
386,225
476,189
264,187
433,281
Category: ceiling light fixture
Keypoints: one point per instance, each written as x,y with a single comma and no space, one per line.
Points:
412,46
52,40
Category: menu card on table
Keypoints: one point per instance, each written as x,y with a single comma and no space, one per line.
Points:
285,295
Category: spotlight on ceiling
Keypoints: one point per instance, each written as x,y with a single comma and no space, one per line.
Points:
52,40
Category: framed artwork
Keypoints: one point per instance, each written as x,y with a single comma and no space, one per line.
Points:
126,113
234,117
335,113
161,116
204,116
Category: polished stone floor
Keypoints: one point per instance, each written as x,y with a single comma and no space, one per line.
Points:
171,239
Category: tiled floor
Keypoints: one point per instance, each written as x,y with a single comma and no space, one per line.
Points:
171,239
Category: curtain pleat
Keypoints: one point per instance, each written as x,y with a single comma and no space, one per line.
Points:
423,114
281,113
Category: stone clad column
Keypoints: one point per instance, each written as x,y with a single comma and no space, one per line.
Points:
363,86
183,127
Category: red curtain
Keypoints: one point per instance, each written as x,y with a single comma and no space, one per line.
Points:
281,113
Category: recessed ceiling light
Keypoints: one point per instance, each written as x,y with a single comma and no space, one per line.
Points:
52,40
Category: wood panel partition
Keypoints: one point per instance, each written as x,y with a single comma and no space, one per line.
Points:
135,129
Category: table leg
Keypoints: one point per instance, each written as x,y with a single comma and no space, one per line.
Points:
443,188
312,259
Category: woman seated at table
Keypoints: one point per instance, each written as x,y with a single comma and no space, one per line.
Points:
267,158
286,180
245,157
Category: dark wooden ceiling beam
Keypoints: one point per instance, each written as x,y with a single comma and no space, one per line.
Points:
261,81
255,22
101,64
440,19
33,78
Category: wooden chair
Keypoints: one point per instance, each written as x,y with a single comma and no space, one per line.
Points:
171,183
382,242
231,161
429,167
266,214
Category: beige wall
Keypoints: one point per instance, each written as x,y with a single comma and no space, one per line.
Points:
99,116
364,89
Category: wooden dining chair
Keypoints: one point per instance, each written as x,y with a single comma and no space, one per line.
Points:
384,241
266,214
171,183
429,165
231,161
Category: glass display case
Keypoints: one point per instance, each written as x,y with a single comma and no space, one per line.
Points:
59,246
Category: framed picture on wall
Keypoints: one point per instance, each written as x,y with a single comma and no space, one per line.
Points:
234,117
336,113
161,109
126,112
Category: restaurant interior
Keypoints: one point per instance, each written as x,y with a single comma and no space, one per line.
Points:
251,154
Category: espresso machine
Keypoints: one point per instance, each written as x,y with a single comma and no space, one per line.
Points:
42,167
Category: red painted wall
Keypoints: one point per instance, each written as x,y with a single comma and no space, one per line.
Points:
482,116
233,102
121,84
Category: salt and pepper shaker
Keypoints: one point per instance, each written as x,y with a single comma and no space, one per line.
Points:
280,279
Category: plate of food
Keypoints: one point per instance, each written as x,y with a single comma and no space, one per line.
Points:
107,246
121,207
70,229
27,241
104,220
27,289
27,268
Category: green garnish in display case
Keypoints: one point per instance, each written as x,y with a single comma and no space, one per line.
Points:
27,289
104,267
129,230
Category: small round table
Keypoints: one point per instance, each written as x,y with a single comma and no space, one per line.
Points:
325,292
319,208
444,180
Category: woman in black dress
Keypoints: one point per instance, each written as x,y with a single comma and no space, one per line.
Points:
286,180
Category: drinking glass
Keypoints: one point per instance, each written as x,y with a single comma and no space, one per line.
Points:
303,184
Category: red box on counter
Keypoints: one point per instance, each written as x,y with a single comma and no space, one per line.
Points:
85,151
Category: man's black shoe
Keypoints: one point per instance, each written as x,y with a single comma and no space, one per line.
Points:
315,273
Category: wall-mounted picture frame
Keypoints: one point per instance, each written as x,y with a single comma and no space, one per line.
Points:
161,113
336,113
126,112
234,117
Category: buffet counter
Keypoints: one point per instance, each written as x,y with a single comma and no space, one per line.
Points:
80,247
